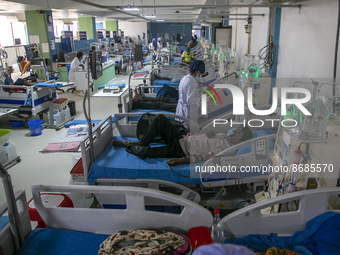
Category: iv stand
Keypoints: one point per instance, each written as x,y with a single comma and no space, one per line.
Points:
88,116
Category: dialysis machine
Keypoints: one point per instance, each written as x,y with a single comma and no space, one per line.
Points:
306,155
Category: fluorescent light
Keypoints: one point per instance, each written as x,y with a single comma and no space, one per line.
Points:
160,20
130,9
81,14
12,19
150,17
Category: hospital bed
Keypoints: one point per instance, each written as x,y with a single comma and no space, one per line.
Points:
250,219
116,163
158,84
82,229
27,99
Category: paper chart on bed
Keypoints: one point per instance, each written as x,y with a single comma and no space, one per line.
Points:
140,76
64,138
61,147
100,93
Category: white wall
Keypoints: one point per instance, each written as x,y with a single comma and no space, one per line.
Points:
258,36
133,29
307,41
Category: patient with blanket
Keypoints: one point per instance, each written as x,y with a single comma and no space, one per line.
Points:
182,149
153,103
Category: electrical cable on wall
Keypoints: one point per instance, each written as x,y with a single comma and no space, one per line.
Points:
267,55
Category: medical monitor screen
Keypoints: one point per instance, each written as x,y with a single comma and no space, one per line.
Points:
96,64
118,39
138,54
31,52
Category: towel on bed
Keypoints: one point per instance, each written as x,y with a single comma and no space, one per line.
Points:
321,236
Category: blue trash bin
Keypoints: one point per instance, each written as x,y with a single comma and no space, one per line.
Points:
35,127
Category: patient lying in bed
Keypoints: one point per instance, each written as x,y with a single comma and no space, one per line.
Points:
183,149
151,103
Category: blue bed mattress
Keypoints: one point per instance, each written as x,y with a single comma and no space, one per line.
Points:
117,163
61,242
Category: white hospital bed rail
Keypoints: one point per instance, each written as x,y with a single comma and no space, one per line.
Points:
8,236
186,192
253,158
249,220
126,103
108,221
127,128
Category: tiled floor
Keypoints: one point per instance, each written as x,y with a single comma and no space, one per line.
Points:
54,168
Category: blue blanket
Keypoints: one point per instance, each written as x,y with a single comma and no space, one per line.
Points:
112,85
321,237
56,242
51,85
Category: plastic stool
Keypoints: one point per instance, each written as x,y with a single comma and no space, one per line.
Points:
49,200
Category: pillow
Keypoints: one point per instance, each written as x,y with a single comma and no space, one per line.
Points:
258,133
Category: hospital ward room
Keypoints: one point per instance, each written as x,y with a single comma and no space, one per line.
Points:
203,127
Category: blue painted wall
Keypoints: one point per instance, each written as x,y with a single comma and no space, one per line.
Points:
94,28
276,41
212,33
206,33
50,34
172,28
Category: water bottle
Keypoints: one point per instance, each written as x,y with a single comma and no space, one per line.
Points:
56,117
66,113
11,150
216,230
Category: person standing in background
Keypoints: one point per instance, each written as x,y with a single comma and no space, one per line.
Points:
76,65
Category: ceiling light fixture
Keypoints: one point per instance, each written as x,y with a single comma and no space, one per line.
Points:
160,20
130,8
150,16
81,14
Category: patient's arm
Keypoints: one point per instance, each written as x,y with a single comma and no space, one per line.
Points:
186,160
178,161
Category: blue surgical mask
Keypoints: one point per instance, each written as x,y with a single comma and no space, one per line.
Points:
197,78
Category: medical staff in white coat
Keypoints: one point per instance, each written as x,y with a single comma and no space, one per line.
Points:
155,46
188,94
76,65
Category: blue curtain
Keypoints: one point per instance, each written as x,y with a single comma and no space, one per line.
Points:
66,44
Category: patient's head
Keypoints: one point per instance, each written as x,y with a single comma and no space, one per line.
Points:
20,59
240,134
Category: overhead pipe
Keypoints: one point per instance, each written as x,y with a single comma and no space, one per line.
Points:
111,8
235,14
203,6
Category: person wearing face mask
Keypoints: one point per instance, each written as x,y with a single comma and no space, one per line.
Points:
76,65
188,96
